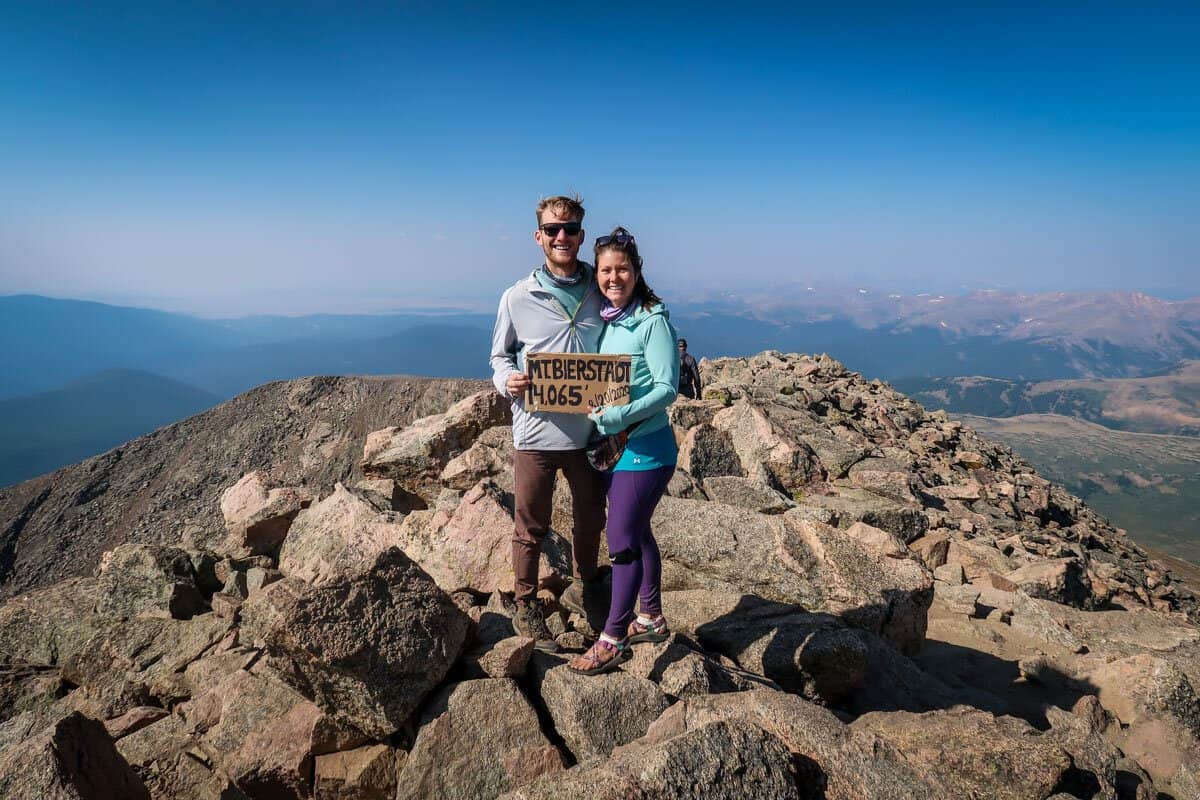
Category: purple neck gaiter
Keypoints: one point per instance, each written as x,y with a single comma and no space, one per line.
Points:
610,313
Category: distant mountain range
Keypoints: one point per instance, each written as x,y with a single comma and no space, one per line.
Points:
1033,337
1167,403
42,432
49,342
1008,335
78,377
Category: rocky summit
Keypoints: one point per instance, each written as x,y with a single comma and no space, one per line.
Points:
867,601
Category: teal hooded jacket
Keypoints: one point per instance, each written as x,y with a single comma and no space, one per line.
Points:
649,337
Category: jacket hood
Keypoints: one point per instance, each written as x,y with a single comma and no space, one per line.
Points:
643,314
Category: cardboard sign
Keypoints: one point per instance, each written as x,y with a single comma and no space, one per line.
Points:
575,383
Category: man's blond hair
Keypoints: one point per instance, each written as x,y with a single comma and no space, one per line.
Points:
562,205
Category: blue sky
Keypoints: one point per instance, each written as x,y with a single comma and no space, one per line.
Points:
297,157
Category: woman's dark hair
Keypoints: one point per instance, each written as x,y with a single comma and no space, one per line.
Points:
622,241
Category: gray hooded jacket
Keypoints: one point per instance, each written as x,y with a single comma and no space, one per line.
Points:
531,320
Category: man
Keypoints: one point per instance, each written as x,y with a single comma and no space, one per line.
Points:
555,309
689,373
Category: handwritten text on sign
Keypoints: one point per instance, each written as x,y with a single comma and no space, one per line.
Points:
575,383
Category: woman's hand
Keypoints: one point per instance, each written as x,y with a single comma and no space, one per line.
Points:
606,421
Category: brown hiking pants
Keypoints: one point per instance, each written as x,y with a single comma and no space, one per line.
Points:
533,476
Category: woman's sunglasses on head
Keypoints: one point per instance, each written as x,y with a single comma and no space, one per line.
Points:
618,238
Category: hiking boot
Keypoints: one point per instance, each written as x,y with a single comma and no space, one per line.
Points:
529,620
655,631
589,599
603,656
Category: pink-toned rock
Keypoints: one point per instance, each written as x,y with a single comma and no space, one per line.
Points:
978,559
878,542
258,518
1063,580
507,658
75,758
966,492
931,549
338,537
971,460
416,455
473,549
225,605
867,576
365,773
490,456
264,734
478,739
973,752
134,720
766,452
366,648
1143,686
893,485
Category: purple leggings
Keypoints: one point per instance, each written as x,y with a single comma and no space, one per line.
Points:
636,565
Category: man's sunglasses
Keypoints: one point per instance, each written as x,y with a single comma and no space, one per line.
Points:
618,238
551,229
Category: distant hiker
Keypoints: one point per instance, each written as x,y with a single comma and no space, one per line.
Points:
635,322
689,373
555,309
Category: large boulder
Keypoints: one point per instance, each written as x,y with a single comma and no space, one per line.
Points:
861,574
1062,580
850,505
472,549
257,518
416,455
706,452
337,538
149,580
477,740
972,752
814,655
869,578
27,686
169,759
766,452
746,493
364,773
726,760
843,763
143,660
491,456
1143,687
49,625
366,649
264,734
74,760
593,714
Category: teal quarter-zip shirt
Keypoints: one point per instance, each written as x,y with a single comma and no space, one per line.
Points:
650,339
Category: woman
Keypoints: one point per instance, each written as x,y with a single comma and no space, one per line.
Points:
636,322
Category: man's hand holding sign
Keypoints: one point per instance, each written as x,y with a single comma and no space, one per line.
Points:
576,383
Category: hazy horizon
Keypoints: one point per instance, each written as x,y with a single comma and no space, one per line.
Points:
264,159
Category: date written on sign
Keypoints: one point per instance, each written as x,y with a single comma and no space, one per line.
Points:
575,383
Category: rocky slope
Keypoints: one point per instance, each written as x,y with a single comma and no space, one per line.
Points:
158,487
868,602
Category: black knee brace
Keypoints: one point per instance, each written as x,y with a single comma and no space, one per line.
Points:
627,556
